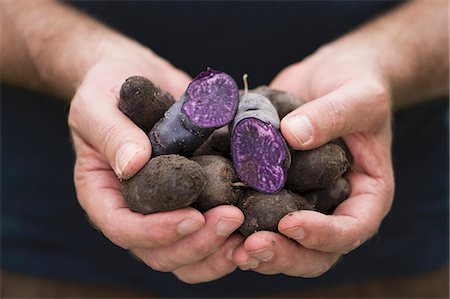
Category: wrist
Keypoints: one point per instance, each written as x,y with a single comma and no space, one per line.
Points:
408,53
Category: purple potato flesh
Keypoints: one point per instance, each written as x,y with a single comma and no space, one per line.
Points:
210,102
211,99
259,153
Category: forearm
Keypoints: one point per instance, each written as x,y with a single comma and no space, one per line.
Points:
410,46
48,46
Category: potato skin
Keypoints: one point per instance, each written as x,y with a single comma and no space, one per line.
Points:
165,183
217,144
326,200
143,102
219,188
283,102
264,211
318,168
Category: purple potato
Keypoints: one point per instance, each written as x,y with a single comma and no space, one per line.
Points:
217,144
165,183
326,200
283,102
340,141
143,102
318,168
264,211
259,152
210,102
222,187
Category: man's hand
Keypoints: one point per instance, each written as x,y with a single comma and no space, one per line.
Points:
350,84
108,145
82,59
347,98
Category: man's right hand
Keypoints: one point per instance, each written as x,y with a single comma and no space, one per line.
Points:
109,147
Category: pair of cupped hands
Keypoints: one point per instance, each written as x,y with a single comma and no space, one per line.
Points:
348,95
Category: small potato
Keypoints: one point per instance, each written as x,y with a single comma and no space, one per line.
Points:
165,183
264,211
143,102
326,200
221,179
318,168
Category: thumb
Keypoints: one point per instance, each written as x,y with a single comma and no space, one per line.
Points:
105,128
353,107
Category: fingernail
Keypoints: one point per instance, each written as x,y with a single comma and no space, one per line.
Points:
251,264
264,255
188,226
225,226
296,233
300,127
124,156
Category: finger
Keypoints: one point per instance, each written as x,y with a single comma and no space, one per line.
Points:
292,79
354,107
276,254
353,222
216,265
99,193
96,118
220,223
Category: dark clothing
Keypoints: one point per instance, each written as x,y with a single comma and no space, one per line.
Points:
44,231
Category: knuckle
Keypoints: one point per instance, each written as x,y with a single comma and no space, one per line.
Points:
352,246
158,264
336,113
74,110
381,99
92,223
317,240
109,135
202,247
319,270
187,278
216,267
114,236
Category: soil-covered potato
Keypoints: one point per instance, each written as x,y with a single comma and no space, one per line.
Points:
217,144
143,102
283,102
326,200
264,211
165,183
318,168
220,186
340,141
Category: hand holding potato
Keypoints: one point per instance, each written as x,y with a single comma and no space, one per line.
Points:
109,145
347,97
